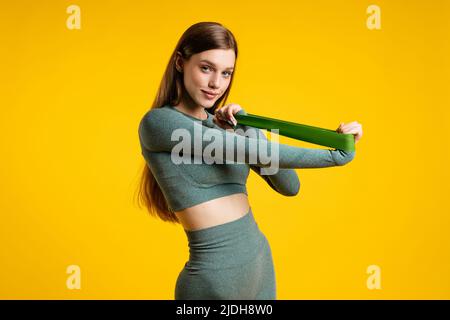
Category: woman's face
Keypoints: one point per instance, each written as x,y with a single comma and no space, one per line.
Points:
208,71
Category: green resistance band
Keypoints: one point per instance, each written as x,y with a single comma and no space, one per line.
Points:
316,135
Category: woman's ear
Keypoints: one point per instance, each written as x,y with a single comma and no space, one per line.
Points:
179,62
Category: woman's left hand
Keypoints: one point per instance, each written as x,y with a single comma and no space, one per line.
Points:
351,128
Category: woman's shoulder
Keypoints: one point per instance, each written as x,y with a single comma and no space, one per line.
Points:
158,111
158,115
161,119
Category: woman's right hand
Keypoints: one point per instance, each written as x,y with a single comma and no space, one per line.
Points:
224,117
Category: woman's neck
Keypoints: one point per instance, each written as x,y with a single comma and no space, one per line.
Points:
192,109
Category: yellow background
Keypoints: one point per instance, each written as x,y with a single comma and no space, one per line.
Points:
71,101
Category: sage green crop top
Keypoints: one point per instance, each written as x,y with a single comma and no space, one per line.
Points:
187,184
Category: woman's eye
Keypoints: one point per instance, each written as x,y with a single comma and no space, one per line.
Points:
227,72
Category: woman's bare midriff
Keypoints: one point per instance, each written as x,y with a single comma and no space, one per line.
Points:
214,212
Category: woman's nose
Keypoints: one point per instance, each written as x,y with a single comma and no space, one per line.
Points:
214,82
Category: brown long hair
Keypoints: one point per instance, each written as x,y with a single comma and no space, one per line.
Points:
199,37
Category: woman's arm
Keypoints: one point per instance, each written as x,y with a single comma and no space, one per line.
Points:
285,181
157,127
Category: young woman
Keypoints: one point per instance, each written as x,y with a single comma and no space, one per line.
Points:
230,258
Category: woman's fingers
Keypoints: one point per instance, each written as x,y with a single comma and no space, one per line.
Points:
350,129
230,115
226,113
353,127
226,118
220,115
345,128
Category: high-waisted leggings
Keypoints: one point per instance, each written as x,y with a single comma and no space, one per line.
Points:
228,261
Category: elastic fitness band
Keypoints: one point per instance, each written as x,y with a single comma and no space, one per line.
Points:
316,135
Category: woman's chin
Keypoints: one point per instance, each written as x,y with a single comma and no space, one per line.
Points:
207,103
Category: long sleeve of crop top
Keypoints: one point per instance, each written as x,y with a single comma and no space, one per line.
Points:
157,126
285,181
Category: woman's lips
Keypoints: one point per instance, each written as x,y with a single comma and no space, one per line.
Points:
209,96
